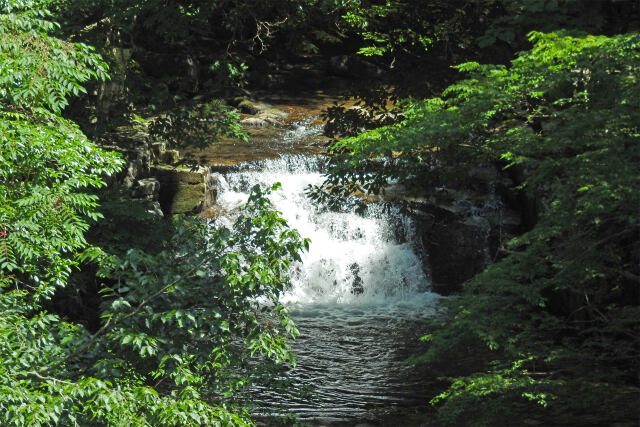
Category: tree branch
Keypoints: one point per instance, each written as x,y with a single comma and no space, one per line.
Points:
139,307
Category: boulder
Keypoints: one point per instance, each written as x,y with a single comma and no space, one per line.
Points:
458,246
255,122
265,119
251,107
185,191
264,115
261,121
147,188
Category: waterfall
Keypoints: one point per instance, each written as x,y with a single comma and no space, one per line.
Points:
358,297
354,258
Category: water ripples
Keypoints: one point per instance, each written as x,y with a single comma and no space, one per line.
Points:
359,297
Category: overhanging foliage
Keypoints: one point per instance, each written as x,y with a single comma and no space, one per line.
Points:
560,310
178,328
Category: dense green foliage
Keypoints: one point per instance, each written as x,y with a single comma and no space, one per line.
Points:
172,58
414,44
560,312
178,327
178,330
47,164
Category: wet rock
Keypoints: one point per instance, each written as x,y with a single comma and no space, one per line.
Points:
357,287
263,120
264,115
252,107
478,223
254,122
457,246
210,191
462,228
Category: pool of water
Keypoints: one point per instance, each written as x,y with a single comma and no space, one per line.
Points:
360,298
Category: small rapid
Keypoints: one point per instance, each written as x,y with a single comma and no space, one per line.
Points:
358,297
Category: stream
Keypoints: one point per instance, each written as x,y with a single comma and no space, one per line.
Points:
358,297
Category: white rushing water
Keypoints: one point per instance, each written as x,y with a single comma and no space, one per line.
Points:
358,297
371,258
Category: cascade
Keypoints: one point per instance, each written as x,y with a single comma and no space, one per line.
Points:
356,296
354,258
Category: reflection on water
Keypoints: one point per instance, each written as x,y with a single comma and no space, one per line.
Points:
351,362
359,298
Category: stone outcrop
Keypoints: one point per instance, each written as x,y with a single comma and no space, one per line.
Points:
113,88
138,165
152,179
138,150
184,191
458,247
462,229
263,115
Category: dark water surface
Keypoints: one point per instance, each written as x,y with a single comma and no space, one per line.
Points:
351,364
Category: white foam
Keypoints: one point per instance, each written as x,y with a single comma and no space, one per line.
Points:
353,258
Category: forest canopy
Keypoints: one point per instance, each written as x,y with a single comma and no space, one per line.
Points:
158,357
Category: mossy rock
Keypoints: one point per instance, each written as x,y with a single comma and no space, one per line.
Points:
187,199
251,107
169,156
181,175
182,191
